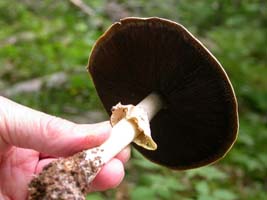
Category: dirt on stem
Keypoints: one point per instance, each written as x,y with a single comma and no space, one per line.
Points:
66,178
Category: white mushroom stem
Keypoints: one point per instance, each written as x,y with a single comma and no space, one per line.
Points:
151,104
123,133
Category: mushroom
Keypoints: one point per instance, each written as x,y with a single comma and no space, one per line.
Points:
199,122
175,83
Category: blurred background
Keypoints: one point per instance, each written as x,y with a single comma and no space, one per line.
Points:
44,48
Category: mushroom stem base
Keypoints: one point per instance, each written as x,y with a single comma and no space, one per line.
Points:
70,178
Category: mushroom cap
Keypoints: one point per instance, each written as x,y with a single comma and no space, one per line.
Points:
137,56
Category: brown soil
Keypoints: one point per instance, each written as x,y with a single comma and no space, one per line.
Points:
64,179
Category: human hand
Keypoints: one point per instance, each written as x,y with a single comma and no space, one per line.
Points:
29,140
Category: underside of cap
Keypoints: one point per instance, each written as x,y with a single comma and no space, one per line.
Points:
137,56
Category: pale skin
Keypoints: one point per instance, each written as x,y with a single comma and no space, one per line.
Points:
30,139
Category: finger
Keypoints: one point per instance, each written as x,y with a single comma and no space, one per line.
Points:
44,156
28,128
42,163
124,155
4,146
109,177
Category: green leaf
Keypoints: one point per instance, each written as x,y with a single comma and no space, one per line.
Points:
202,188
223,194
94,196
140,193
208,172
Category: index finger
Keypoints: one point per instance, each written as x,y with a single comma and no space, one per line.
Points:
27,128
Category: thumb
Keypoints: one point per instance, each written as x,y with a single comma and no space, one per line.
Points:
27,128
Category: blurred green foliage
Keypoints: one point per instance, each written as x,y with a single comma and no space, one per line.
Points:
39,38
